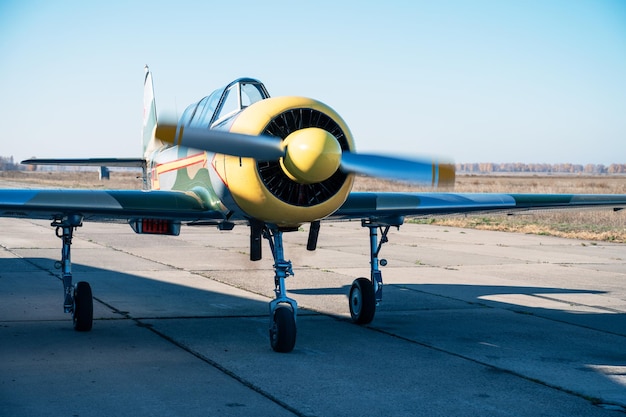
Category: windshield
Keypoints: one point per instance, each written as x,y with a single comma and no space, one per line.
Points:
225,102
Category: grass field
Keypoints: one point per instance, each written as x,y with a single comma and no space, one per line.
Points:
592,225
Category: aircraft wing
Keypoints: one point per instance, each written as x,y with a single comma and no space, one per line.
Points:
104,205
389,204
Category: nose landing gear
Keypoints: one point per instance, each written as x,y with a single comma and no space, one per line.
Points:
283,310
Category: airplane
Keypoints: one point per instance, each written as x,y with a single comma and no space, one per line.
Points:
239,156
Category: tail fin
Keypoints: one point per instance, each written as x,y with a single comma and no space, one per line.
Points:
148,141
149,117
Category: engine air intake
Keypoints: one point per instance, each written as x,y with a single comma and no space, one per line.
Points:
278,182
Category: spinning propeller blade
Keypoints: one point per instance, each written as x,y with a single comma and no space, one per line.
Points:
261,148
268,148
428,172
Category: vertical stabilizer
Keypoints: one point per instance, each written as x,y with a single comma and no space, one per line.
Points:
149,117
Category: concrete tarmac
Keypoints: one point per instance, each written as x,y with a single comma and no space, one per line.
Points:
472,323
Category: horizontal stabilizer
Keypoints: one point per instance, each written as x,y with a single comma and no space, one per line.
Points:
109,162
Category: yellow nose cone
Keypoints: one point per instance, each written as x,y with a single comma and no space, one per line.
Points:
313,155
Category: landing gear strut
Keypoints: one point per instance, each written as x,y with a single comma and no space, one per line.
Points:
78,298
366,294
283,310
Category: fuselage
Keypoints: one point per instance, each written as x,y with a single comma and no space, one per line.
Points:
244,188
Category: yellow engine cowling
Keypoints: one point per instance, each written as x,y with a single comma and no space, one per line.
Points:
270,191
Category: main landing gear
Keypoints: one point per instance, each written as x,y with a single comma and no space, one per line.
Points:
78,298
366,294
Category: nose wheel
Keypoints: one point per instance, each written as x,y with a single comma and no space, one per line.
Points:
283,329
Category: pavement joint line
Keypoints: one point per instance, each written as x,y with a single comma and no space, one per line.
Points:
228,372
518,310
140,323
594,401
205,359
573,303
219,367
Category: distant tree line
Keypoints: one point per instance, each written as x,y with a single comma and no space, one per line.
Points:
567,168
8,164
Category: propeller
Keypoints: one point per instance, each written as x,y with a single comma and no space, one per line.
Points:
261,148
308,155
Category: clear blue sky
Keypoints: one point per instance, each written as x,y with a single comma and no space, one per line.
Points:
477,81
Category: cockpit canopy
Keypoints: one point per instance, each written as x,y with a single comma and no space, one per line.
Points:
223,103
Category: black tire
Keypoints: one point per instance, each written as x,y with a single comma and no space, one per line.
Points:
83,307
362,301
283,330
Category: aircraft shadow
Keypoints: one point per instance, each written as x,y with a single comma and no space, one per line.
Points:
34,280
527,300
29,283
152,297
550,334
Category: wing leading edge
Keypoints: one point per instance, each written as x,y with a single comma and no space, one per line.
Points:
105,205
384,204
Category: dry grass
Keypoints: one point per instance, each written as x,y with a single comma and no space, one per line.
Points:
512,184
123,180
595,225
